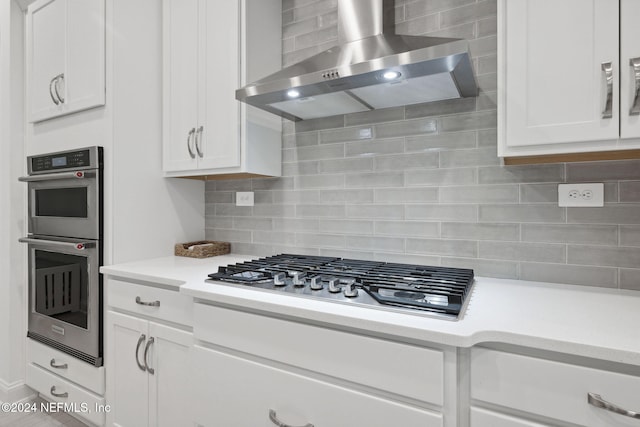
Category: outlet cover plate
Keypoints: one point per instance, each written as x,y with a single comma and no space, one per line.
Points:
244,198
581,195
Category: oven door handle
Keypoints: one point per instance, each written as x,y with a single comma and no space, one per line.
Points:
79,245
59,175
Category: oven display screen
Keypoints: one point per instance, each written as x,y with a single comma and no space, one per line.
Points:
58,162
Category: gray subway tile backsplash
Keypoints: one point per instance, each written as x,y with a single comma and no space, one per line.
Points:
625,257
521,213
572,274
422,184
446,141
526,252
571,233
478,231
630,235
630,279
407,228
480,194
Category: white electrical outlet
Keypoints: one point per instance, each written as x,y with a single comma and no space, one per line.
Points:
244,198
581,195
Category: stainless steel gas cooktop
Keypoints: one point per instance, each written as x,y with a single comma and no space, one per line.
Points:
413,289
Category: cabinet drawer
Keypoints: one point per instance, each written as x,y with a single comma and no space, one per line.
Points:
173,307
553,389
484,418
76,370
81,402
241,393
403,369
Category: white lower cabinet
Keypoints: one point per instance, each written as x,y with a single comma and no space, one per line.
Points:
61,378
74,399
555,392
237,392
146,361
255,370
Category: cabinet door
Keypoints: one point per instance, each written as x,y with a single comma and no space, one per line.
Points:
127,384
46,23
551,389
630,81
219,112
65,56
169,388
235,392
554,88
84,82
180,101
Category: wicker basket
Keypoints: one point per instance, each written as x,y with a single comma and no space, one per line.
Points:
202,249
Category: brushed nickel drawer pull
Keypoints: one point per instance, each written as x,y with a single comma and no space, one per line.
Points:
53,365
59,77
146,356
198,141
607,67
597,401
635,107
53,392
53,98
274,419
149,304
140,341
189,139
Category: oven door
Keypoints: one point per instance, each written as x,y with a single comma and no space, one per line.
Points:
65,291
65,204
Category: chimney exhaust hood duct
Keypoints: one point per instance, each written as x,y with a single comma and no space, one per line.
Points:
370,68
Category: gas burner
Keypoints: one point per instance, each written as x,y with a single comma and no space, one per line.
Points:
414,289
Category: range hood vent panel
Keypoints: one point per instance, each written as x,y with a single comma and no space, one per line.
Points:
353,69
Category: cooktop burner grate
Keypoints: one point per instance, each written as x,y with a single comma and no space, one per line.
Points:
412,288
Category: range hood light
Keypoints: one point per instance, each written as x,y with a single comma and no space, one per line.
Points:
391,75
370,68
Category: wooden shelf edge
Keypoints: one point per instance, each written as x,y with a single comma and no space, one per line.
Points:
220,177
573,157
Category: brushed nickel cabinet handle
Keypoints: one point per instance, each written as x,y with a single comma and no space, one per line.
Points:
189,139
53,98
53,392
140,341
274,419
199,140
146,356
635,107
55,87
149,304
607,67
53,365
597,401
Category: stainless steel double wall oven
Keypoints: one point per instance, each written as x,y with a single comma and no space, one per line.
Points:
65,224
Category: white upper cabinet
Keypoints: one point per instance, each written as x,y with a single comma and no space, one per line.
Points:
563,85
630,69
65,57
206,45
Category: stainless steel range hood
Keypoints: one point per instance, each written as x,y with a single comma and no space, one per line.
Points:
370,68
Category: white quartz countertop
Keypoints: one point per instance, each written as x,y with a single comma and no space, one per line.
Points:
591,322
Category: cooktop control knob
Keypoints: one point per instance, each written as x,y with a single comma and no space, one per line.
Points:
333,286
298,279
316,283
350,290
279,279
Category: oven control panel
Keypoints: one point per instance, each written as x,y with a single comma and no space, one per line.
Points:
87,158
